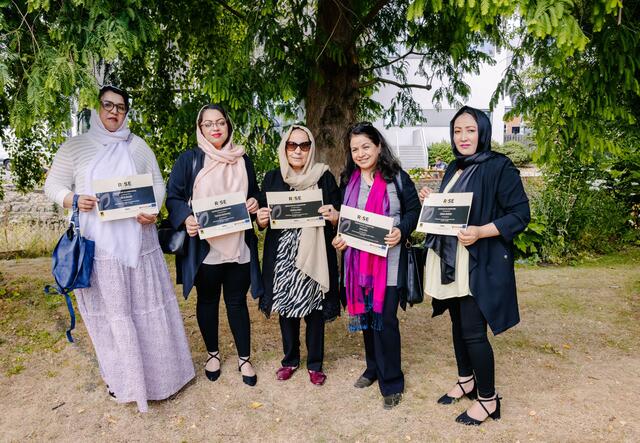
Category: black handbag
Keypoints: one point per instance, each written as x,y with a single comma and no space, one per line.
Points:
415,272
173,241
72,263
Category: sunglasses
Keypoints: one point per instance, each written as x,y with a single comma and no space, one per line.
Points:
292,146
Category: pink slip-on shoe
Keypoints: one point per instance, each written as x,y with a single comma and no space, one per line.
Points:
317,377
285,372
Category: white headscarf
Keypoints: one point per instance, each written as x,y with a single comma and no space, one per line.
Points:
122,239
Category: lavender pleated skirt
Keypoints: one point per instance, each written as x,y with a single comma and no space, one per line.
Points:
135,325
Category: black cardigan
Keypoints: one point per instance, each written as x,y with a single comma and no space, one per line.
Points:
179,190
273,181
498,197
409,214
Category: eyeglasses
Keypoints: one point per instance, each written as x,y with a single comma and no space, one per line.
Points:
292,146
108,106
208,124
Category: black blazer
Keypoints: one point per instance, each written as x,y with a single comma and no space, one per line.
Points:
409,214
273,181
179,191
498,197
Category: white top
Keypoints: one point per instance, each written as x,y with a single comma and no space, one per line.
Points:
67,173
432,283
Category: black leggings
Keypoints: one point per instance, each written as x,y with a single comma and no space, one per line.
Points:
474,354
234,280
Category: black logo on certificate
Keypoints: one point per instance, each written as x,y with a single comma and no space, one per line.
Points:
445,213
295,209
124,197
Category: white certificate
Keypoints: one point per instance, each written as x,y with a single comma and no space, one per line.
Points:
295,209
364,230
445,214
222,214
125,197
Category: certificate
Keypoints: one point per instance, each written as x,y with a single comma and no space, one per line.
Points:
364,230
445,214
124,197
222,214
295,209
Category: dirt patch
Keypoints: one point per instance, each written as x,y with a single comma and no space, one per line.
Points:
569,372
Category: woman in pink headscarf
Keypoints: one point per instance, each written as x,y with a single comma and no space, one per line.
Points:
227,263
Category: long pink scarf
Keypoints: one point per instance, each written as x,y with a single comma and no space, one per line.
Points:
366,274
224,172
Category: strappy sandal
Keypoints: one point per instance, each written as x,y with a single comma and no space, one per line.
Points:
471,395
248,380
466,420
212,375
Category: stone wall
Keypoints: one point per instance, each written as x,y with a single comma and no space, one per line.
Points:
31,208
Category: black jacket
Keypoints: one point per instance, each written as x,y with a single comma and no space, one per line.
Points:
273,182
179,191
498,197
409,214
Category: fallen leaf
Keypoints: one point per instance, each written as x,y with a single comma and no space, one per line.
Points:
566,346
532,413
622,422
407,437
80,411
255,405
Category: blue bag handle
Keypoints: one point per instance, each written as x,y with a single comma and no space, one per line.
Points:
48,289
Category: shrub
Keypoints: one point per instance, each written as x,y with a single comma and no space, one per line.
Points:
516,151
441,149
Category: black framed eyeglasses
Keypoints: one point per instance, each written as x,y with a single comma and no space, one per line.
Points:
108,106
292,146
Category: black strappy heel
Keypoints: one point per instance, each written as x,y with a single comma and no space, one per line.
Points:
251,381
466,420
471,395
212,375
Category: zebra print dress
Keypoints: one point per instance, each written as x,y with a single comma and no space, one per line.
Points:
295,294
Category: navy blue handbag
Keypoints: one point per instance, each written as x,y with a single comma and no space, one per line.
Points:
72,262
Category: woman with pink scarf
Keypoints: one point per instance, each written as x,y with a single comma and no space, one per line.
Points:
374,286
227,263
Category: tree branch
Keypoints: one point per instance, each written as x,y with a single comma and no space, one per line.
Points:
226,6
367,19
394,83
388,63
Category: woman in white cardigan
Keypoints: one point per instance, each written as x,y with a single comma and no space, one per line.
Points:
130,310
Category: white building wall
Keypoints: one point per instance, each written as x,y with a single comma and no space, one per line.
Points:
411,142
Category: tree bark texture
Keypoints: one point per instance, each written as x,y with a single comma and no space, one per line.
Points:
331,103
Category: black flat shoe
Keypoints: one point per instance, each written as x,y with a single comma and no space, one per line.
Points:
466,420
391,401
363,382
212,375
248,380
471,395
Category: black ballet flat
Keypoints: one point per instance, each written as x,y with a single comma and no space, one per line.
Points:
248,380
466,420
471,395
212,375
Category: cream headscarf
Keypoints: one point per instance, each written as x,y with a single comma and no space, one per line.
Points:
224,172
312,253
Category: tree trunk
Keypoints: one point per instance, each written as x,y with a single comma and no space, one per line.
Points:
331,103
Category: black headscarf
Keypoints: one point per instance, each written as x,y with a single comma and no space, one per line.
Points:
445,246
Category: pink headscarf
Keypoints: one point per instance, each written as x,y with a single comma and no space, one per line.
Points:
224,172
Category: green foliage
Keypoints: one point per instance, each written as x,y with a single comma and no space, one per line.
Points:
576,213
441,150
516,151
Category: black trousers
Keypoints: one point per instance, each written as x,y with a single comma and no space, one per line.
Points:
314,337
474,354
382,348
233,280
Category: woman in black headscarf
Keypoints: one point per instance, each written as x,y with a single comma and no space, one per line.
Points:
472,275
